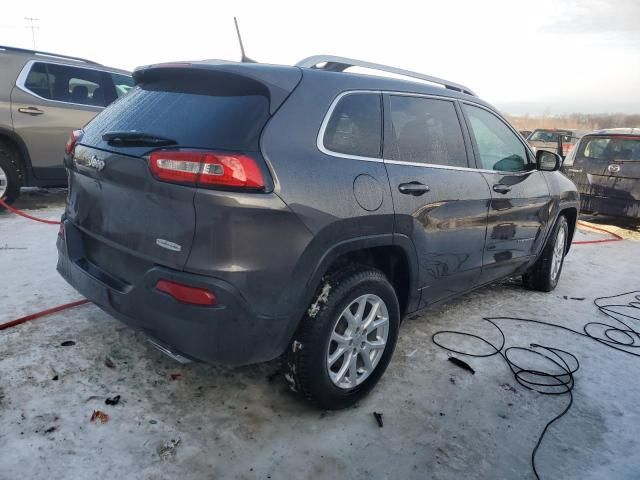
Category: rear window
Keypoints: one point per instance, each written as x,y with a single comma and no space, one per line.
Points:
610,148
196,109
550,136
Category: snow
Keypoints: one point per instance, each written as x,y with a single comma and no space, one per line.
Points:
197,421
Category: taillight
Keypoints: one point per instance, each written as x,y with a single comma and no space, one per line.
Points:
73,139
186,293
206,168
566,148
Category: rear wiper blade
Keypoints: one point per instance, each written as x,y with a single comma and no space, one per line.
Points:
133,137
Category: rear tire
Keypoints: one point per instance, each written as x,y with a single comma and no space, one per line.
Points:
355,316
545,273
10,177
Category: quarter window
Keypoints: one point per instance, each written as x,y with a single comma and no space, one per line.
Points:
355,126
38,80
425,130
498,147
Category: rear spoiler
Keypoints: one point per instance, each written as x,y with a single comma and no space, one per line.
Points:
278,80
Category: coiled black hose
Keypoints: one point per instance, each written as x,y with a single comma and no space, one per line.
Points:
558,378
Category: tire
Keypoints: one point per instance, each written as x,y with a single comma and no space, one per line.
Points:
10,176
306,361
545,273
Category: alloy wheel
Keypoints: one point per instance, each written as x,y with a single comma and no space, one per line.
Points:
4,182
357,342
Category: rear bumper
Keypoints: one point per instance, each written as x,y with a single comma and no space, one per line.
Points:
617,207
228,333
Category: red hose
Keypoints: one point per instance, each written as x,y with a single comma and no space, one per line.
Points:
49,311
616,237
26,215
43,313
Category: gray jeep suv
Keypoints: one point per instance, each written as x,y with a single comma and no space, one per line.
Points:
236,213
43,96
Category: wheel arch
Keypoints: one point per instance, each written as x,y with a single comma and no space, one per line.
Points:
571,214
394,255
14,141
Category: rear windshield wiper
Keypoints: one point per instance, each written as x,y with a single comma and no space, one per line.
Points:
133,137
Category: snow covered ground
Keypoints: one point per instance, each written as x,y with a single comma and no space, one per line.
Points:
201,421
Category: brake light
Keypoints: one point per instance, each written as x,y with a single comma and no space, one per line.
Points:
566,148
187,294
73,139
206,168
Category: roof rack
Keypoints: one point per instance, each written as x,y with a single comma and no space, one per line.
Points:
47,54
340,64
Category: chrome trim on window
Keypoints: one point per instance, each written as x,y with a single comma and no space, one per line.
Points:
24,73
325,122
435,165
327,117
60,57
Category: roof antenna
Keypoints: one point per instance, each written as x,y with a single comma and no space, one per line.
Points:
243,58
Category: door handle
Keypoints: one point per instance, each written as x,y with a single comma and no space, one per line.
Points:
413,188
30,110
501,188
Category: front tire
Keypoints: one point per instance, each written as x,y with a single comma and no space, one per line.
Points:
545,273
9,174
346,339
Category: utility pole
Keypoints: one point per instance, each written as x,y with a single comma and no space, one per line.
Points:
33,28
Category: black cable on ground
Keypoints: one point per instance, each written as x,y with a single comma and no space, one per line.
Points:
558,378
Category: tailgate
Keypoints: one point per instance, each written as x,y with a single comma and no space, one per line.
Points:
123,206
608,166
131,217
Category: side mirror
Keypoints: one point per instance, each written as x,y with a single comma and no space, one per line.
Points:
548,161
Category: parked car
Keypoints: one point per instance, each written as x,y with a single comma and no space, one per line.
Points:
43,96
553,140
605,165
525,133
239,212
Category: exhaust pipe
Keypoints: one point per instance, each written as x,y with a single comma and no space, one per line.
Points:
169,352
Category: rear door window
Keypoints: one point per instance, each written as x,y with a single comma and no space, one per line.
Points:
425,130
68,84
355,126
498,147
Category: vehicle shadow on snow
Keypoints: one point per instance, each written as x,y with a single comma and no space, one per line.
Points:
39,198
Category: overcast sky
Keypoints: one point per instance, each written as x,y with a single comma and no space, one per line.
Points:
550,56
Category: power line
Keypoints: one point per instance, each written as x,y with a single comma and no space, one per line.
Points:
33,28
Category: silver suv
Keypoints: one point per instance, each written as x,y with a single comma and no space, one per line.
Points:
43,97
